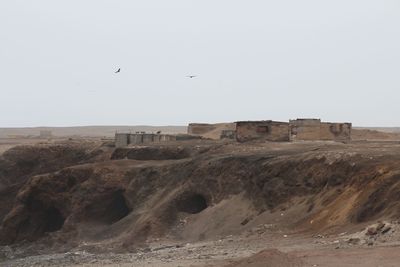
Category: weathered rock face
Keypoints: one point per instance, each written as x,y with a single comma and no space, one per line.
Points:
22,162
127,201
199,194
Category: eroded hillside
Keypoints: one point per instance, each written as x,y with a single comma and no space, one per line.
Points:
63,196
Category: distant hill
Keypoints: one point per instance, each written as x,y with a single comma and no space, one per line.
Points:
89,131
359,133
380,129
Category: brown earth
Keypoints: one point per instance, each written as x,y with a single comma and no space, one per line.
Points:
88,196
370,134
268,258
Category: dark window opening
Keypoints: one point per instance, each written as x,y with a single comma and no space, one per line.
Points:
262,129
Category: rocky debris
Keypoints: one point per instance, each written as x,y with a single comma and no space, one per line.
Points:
380,232
268,257
261,229
6,252
354,241
156,254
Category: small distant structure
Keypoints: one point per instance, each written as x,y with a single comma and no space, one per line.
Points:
45,134
314,129
267,130
138,138
125,139
294,130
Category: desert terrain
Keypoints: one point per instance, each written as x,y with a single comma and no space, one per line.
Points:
76,200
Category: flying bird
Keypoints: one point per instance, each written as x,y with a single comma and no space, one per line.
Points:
191,76
119,70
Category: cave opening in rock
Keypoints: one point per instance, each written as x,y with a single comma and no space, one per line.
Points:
193,203
108,208
54,220
116,208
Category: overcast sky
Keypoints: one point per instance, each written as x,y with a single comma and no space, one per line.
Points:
257,59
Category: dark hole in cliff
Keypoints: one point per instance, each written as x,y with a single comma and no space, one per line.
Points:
117,208
40,219
193,203
108,209
54,220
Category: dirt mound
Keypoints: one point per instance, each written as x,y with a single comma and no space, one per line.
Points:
219,127
269,258
20,161
210,131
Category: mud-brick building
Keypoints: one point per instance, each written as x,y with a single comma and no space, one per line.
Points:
262,130
314,129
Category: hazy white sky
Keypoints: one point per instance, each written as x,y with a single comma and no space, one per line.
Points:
257,59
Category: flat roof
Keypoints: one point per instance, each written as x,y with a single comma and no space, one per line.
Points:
262,121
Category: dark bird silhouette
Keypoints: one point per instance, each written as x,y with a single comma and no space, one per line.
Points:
118,71
191,76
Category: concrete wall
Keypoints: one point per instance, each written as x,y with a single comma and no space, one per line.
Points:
121,139
305,129
148,138
135,138
125,139
166,138
335,131
262,130
314,129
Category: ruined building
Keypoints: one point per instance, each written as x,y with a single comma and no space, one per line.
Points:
125,139
314,129
262,130
138,138
268,130
299,129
